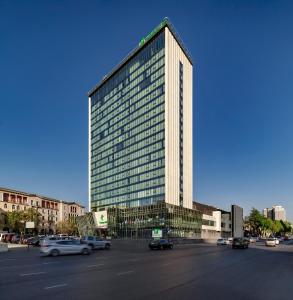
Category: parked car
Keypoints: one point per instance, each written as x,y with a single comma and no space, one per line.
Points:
96,242
230,240
160,244
271,242
252,240
15,239
61,247
222,241
24,238
33,241
6,237
240,243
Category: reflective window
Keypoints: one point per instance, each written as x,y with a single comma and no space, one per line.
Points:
127,132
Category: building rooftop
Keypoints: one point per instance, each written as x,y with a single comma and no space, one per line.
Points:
143,42
207,209
8,190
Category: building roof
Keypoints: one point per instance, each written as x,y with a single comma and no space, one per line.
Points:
143,42
12,191
207,209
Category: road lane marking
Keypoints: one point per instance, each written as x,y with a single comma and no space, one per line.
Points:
134,259
98,265
165,265
124,273
30,274
7,259
55,286
48,263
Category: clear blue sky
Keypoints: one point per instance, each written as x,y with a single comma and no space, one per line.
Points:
53,52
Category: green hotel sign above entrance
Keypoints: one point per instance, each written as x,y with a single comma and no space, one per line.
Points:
151,34
157,233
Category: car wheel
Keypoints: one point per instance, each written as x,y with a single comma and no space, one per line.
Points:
92,246
85,251
171,247
55,252
107,246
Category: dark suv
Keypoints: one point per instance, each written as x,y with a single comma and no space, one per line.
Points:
160,244
240,243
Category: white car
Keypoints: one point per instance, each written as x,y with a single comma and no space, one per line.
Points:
277,241
61,247
271,242
222,241
97,243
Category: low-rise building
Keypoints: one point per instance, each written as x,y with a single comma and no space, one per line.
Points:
51,210
216,222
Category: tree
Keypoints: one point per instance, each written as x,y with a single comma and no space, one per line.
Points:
3,219
255,221
265,226
66,227
287,227
15,220
277,227
32,215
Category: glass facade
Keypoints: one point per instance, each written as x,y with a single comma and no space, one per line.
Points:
127,132
138,222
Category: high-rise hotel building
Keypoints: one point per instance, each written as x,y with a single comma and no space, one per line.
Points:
140,127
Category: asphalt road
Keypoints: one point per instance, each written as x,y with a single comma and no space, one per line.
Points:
187,272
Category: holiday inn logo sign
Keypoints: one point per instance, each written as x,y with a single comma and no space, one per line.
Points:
101,219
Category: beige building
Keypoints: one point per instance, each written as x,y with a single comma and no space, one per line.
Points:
277,212
51,210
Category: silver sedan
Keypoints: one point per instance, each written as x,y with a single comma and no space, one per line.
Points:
55,248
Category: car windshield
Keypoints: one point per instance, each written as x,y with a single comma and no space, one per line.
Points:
271,239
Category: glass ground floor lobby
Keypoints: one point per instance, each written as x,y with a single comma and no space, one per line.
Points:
139,222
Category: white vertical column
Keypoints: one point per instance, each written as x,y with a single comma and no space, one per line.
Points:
173,55
89,153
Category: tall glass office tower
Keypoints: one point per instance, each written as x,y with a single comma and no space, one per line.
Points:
140,127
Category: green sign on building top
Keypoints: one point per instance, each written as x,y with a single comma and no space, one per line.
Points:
151,34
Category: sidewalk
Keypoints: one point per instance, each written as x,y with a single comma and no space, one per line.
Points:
11,246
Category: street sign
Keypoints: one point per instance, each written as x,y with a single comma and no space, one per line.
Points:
29,225
157,233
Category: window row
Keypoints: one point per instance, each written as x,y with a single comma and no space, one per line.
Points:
119,80
139,187
128,179
124,172
133,168
145,128
99,121
134,147
150,150
132,163
115,131
130,196
124,88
